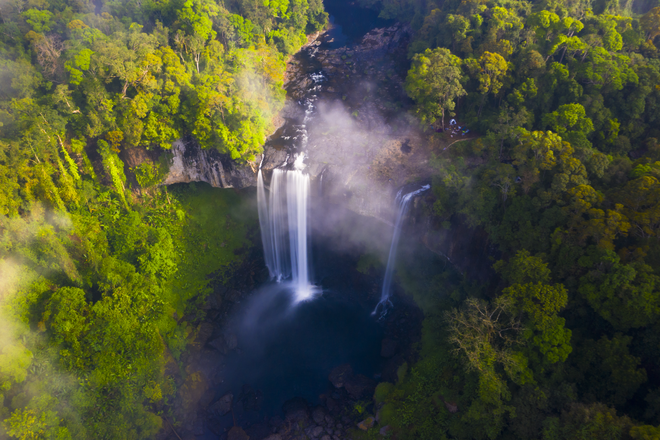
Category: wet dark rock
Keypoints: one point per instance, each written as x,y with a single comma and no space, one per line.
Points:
237,433
208,363
274,437
318,415
223,405
388,348
198,426
234,296
340,374
326,437
296,410
366,423
204,332
360,386
219,344
213,302
317,431
333,405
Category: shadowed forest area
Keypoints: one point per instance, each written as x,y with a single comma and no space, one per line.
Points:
562,342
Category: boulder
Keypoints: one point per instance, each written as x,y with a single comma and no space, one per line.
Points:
318,415
360,386
366,423
385,429
237,433
317,431
340,374
223,405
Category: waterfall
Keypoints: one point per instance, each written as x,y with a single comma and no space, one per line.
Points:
284,228
403,205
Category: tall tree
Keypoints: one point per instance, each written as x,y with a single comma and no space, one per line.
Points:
434,82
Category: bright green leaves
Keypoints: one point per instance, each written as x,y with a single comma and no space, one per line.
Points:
537,303
41,21
278,8
626,295
115,169
604,69
77,65
489,70
198,15
434,82
67,317
523,268
245,29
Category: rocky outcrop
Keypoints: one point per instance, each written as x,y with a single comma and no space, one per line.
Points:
190,163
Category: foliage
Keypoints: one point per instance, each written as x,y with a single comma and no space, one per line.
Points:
563,179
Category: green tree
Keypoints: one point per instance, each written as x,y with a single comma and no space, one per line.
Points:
434,82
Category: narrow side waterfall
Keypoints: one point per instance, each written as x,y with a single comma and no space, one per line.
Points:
403,205
285,230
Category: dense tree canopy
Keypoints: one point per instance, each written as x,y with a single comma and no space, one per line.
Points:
560,342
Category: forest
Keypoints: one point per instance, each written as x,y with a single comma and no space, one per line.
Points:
100,278
562,342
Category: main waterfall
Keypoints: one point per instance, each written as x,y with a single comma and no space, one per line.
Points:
284,228
403,205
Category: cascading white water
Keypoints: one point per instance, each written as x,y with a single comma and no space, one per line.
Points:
283,216
284,229
297,196
403,205
278,227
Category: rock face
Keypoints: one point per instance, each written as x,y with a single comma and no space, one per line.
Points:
366,423
339,375
222,406
237,433
190,163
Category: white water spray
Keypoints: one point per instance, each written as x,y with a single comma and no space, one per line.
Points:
285,230
403,205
